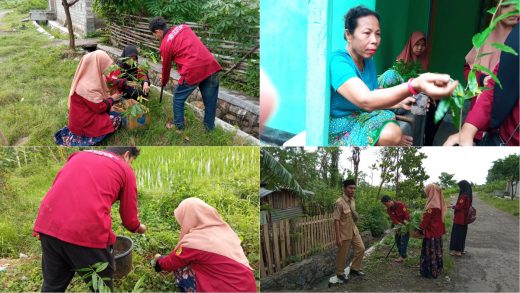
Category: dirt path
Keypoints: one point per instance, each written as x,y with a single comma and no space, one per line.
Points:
490,264
492,259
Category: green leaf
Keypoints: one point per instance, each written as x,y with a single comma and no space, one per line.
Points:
505,48
459,91
83,270
95,281
492,10
509,2
479,38
101,287
442,108
137,287
101,267
483,54
455,112
472,82
502,16
488,72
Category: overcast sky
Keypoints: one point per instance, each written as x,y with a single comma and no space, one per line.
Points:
470,163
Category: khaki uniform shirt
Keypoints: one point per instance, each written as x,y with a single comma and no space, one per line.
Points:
342,212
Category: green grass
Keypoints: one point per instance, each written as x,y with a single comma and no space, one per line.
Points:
36,84
229,183
504,204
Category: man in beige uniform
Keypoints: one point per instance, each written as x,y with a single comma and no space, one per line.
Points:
347,233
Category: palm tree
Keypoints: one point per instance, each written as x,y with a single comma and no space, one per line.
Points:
273,172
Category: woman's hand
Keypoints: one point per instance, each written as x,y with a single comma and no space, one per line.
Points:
116,97
141,229
156,257
464,137
434,85
407,103
146,88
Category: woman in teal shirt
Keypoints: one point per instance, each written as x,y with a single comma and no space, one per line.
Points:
358,115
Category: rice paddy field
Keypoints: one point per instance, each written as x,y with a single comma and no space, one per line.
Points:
225,177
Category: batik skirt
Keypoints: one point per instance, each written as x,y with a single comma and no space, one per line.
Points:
359,128
431,258
65,137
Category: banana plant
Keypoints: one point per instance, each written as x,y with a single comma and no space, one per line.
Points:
455,103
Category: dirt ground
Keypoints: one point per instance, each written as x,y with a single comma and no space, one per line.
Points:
490,264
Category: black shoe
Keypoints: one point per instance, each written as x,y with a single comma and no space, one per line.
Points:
356,273
342,278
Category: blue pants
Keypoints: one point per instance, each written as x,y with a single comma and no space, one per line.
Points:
209,91
401,242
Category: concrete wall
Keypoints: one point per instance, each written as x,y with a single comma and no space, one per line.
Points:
82,15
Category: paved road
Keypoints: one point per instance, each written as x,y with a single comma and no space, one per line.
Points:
492,260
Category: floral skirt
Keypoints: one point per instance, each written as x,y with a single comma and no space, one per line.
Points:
186,281
65,137
359,128
431,258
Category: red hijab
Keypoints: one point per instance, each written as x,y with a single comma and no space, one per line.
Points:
407,53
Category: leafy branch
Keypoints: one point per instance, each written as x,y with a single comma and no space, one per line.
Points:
455,103
96,281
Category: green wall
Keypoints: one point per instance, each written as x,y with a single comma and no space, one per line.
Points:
455,24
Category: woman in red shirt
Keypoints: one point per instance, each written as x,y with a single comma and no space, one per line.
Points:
432,226
460,228
90,118
208,257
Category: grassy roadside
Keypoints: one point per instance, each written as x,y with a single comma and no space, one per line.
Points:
504,204
36,83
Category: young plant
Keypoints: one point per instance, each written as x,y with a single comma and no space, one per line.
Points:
455,103
96,281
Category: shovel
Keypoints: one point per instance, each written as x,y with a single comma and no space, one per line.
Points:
160,97
390,250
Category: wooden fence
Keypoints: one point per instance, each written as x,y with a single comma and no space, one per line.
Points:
288,241
234,57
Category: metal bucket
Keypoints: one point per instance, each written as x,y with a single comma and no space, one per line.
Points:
123,256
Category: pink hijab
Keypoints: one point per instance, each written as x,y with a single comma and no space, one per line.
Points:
498,35
407,53
202,228
435,199
89,81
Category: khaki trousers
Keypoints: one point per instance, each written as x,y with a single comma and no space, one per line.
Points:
344,251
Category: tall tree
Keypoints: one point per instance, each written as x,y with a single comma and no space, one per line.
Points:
446,180
356,152
505,169
66,6
412,169
386,161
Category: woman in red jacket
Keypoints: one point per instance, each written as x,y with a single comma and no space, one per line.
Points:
432,226
208,257
90,117
460,228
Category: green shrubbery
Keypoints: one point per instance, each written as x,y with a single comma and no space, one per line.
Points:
23,6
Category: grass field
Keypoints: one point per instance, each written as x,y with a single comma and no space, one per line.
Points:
36,82
225,177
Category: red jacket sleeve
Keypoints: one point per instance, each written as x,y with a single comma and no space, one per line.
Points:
462,203
113,80
166,64
128,202
142,76
406,213
392,216
99,107
178,258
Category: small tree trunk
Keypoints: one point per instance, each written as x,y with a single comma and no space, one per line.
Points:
66,7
